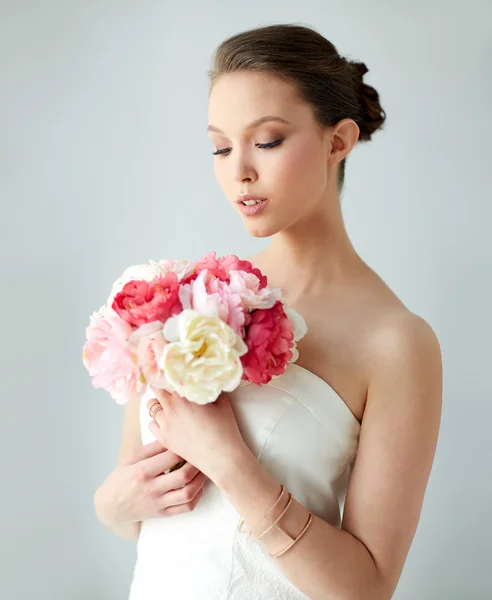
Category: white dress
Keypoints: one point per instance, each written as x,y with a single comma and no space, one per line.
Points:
305,435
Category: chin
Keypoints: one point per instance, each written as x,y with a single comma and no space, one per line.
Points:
260,234
260,230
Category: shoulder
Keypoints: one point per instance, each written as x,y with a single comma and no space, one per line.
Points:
404,376
402,340
399,334
394,336
397,441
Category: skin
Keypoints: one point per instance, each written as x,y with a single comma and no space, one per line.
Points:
383,360
310,255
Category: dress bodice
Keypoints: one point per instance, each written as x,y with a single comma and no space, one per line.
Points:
306,436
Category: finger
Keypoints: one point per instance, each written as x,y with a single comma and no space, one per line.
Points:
156,413
181,508
185,494
144,451
176,479
154,429
156,465
154,406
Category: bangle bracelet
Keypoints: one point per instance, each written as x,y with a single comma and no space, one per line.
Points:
309,521
282,491
274,524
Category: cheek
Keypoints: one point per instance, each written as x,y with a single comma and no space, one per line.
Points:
299,168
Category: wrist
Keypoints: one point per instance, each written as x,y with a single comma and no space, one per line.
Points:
101,507
228,464
128,530
104,508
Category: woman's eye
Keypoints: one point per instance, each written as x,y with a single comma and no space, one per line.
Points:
263,146
270,144
221,151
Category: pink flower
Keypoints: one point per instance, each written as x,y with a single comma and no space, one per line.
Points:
141,302
233,263
210,296
253,296
109,359
210,263
269,338
222,267
148,343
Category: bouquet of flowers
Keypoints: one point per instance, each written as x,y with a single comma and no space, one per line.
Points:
196,328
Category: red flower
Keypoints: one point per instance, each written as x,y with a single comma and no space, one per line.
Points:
141,302
269,338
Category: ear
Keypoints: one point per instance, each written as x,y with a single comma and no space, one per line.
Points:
343,136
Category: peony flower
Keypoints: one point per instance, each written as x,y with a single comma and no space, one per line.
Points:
109,359
299,329
210,296
269,339
233,263
136,273
222,267
203,356
182,268
141,302
209,263
253,296
148,342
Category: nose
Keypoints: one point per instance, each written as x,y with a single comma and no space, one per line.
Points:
243,169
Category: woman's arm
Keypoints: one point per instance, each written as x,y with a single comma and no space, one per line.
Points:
127,531
130,441
364,559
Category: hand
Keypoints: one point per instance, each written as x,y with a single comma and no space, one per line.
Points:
138,489
203,434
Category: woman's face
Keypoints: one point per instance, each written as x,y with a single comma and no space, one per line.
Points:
283,159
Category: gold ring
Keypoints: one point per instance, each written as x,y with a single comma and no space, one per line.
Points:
154,409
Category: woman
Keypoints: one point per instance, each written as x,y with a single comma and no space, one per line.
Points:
350,429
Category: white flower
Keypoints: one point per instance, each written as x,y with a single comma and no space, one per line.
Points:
182,268
202,358
299,329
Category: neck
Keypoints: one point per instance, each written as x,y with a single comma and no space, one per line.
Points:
311,254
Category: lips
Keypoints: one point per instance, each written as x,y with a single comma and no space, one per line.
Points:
249,210
241,199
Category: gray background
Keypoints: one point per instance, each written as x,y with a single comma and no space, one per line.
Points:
105,162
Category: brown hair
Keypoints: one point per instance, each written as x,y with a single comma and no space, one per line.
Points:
300,55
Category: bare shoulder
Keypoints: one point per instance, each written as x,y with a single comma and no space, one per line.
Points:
398,341
399,336
398,440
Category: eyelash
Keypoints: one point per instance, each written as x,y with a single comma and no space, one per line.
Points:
222,151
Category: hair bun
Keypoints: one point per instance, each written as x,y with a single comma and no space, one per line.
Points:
360,69
373,115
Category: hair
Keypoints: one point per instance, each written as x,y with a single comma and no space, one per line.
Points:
330,83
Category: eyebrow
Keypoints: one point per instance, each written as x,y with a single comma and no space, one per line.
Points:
254,124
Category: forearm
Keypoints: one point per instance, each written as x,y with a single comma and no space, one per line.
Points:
127,530
327,563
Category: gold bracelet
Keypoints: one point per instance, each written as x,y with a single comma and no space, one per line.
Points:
305,528
274,524
282,491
